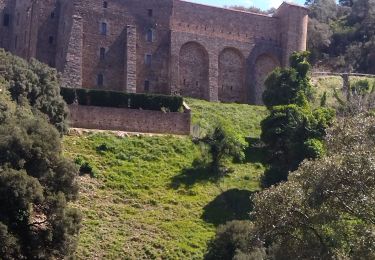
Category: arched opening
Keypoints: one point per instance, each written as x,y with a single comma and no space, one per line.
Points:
193,70
231,76
264,65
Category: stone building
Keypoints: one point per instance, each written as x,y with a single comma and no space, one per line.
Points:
156,46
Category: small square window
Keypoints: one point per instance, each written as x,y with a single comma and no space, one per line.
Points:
150,12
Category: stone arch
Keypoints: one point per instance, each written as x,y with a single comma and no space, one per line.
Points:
193,70
264,65
232,76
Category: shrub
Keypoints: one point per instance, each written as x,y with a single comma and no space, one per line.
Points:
37,185
232,241
103,98
35,84
221,143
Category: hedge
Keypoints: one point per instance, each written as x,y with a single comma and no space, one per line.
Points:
104,98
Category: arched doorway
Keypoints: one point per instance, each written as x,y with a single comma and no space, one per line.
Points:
193,70
232,76
264,65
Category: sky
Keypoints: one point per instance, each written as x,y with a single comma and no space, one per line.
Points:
262,4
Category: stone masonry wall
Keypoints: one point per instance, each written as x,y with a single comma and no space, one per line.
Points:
130,120
156,46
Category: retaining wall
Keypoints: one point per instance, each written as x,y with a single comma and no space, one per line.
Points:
130,120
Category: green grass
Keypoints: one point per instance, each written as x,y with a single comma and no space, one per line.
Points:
147,202
329,84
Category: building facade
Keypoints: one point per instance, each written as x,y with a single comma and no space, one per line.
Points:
155,46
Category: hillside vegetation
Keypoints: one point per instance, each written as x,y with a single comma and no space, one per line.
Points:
145,200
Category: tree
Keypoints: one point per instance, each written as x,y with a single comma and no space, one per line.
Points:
36,184
292,133
326,209
36,84
221,143
289,85
293,130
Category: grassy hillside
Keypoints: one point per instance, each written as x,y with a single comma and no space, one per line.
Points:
146,200
331,83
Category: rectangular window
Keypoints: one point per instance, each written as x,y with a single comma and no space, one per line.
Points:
100,80
103,29
147,86
6,20
150,35
148,59
150,12
50,40
102,53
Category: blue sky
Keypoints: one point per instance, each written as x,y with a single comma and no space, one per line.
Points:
263,4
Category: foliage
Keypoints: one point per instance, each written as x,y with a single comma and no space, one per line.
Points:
289,85
105,98
231,240
291,134
326,208
293,131
252,9
35,84
221,142
359,98
342,36
143,195
36,183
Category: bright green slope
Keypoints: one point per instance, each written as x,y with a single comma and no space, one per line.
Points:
146,201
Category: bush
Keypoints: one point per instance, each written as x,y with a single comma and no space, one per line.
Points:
37,185
232,241
103,98
221,143
35,84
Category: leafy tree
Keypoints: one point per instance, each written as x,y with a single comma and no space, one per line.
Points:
326,209
289,85
36,84
319,39
293,130
291,134
252,9
36,184
222,143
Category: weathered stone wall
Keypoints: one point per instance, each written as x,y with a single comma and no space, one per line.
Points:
48,24
293,21
193,67
232,76
130,120
157,46
4,30
264,65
